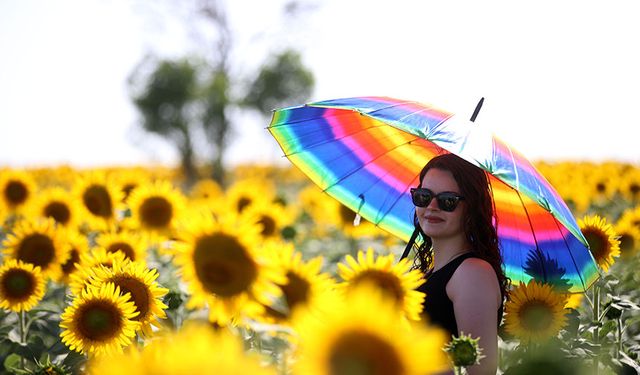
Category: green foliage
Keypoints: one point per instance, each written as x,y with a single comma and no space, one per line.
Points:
284,81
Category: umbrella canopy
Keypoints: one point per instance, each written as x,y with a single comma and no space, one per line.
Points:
367,152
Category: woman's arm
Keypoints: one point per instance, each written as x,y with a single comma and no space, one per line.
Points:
476,297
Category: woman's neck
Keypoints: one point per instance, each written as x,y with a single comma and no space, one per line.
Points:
444,250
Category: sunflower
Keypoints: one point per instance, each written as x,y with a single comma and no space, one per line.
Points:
361,335
304,287
244,193
273,218
96,257
101,199
99,321
205,189
156,207
78,245
602,240
224,269
629,236
630,185
140,282
129,179
58,204
535,311
37,242
22,285
397,280
131,243
187,351
17,188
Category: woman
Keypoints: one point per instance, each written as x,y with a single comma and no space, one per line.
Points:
465,285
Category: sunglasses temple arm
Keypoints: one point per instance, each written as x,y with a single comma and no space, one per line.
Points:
412,240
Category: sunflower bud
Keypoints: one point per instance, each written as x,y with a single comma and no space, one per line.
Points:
464,351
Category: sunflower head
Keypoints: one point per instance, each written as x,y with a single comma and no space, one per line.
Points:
222,263
186,351
603,243
271,217
140,283
22,285
57,204
464,350
535,312
396,280
347,338
78,245
130,243
38,242
17,187
99,321
100,197
156,207
629,236
304,287
97,257
247,192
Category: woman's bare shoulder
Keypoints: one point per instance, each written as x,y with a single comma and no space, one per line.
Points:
472,275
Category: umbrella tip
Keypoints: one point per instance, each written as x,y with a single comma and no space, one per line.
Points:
477,110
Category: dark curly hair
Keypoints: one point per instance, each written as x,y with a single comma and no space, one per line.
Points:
480,222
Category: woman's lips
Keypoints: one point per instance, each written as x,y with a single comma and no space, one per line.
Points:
433,219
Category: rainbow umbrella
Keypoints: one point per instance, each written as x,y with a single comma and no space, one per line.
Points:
367,152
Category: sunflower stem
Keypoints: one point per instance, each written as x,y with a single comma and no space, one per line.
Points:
619,331
23,335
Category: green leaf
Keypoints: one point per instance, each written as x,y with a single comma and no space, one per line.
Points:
12,362
607,327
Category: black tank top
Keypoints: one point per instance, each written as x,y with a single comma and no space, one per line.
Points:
437,307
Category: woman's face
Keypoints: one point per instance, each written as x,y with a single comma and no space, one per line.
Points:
434,222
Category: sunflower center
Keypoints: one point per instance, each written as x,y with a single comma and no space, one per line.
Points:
70,265
18,284
386,281
124,247
296,291
535,316
98,201
99,321
223,265
37,249
58,211
597,244
361,353
627,243
243,202
268,225
156,212
346,215
634,189
601,187
127,189
139,293
16,193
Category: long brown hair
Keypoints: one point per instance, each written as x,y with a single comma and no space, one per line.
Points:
480,222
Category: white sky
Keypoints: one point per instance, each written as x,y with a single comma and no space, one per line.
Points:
561,79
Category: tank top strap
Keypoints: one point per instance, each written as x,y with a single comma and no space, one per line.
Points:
448,269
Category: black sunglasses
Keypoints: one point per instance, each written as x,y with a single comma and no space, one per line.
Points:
447,201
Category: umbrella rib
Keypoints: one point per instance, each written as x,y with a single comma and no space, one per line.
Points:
533,233
570,254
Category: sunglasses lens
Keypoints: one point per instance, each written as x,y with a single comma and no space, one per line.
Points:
421,198
447,202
